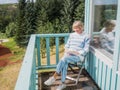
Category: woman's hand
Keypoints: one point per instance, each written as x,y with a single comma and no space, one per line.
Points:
68,51
73,52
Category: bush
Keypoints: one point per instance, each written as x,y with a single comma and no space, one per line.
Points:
2,35
11,30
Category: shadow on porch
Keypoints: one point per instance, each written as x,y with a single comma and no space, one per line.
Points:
85,82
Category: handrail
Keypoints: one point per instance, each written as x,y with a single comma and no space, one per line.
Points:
27,72
52,35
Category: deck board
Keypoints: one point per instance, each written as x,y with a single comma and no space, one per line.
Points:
85,82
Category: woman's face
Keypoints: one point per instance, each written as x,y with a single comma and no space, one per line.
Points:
78,29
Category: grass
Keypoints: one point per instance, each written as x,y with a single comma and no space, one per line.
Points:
11,44
52,58
18,53
52,55
9,74
2,35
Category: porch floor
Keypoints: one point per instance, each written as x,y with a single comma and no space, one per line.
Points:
85,82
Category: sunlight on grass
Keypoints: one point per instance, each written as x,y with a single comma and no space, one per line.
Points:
9,73
11,44
8,76
53,55
18,52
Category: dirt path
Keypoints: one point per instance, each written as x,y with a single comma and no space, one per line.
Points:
4,50
5,54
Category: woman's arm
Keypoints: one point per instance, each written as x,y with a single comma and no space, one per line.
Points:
86,46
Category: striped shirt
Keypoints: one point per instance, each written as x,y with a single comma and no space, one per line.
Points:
78,42
107,40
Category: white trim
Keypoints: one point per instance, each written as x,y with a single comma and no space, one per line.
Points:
105,2
91,18
107,60
118,72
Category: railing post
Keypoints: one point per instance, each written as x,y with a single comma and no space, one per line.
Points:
65,40
38,51
48,50
57,49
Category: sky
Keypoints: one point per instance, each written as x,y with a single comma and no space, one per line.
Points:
8,1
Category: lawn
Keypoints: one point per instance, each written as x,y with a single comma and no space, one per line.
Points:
18,53
8,76
12,62
9,73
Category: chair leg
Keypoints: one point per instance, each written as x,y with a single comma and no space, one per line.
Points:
79,75
70,78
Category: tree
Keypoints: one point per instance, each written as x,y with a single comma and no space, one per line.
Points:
21,26
11,29
79,11
26,21
69,7
7,15
30,19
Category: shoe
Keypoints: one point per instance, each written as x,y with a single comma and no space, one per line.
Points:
61,87
50,81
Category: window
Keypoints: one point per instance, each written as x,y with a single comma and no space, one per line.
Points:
104,12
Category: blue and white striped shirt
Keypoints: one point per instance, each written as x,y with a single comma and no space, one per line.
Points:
78,42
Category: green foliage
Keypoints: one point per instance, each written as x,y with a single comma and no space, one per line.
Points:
10,44
11,30
30,18
57,16
16,50
45,29
26,22
8,13
106,12
21,25
68,12
79,11
110,14
42,16
2,35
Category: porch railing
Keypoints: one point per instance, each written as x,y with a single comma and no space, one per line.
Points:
28,77
47,37
98,68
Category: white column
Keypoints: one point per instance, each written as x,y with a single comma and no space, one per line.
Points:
117,48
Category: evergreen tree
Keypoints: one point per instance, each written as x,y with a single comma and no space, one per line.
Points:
79,11
21,26
69,7
11,29
26,21
53,9
55,16
30,19
8,13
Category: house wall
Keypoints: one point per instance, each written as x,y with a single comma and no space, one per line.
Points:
102,68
